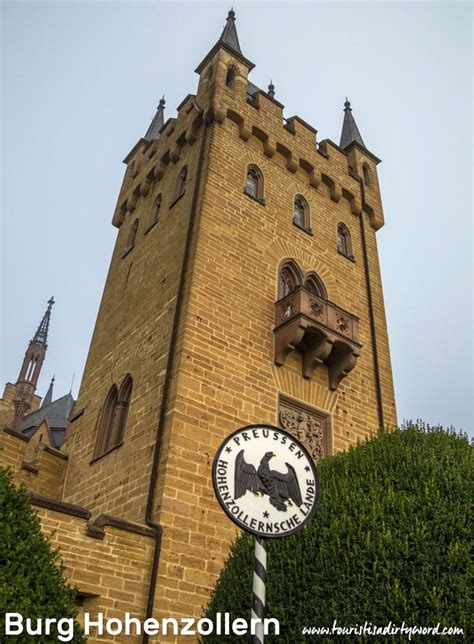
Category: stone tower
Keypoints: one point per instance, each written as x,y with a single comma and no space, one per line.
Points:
244,287
25,386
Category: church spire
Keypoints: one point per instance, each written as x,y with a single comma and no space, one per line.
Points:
350,131
30,369
229,35
153,132
41,335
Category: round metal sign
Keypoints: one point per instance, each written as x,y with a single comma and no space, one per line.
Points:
266,481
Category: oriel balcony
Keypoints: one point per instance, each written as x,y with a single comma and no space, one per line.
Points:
321,331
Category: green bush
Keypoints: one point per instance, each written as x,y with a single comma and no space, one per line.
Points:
31,574
390,542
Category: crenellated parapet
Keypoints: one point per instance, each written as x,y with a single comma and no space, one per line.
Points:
225,92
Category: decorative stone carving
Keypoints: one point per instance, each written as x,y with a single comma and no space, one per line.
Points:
320,330
342,323
309,427
316,309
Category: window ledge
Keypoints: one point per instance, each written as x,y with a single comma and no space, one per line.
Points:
349,257
308,231
151,226
175,201
127,251
99,456
261,201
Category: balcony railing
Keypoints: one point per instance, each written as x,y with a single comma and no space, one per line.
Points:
320,330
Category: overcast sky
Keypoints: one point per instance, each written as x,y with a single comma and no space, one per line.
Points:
80,83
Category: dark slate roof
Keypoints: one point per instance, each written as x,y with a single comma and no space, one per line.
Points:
350,131
229,34
252,89
153,132
55,413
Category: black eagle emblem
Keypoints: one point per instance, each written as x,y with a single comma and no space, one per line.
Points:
279,486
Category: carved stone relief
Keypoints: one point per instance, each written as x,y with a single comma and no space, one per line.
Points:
310,427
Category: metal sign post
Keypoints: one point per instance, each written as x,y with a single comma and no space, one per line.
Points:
258,589
267,483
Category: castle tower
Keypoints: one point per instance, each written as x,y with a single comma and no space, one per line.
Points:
244,288
25,386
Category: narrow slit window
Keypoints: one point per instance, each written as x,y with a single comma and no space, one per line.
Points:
344,244
132,235
301,213
254,183
181,183
230,78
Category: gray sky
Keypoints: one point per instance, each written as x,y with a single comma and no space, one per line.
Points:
80,83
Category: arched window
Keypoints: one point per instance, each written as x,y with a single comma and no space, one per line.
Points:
155,213
254,183
105,429
181,183
314,285
123,404
301,213
289,278
113,418
132,236
366,173
230,78
344,244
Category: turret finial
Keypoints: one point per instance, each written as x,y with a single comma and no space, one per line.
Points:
271,89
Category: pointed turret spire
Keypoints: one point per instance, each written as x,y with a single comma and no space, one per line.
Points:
229,34
350,131
153,132
41,335
48,399
230,41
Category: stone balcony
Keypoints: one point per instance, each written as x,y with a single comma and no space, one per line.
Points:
321,331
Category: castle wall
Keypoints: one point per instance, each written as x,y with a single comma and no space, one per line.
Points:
40,467
110,573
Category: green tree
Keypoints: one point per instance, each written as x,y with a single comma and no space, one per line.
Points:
390,542
31,572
